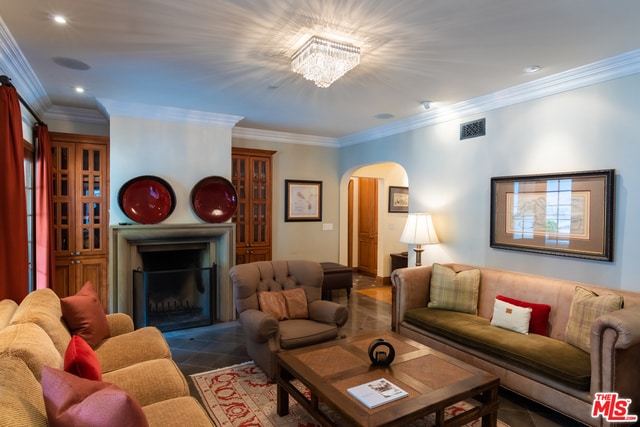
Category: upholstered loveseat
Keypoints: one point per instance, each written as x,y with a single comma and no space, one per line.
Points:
552,370
34,340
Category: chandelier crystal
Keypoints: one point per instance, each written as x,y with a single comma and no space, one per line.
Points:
325,61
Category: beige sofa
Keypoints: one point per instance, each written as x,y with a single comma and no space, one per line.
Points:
33,334
611,365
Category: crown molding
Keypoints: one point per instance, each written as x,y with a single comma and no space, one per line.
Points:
58,112
283,137
14,65
156,112
597,72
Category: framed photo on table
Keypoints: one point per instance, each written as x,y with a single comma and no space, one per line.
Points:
399,199
566,214
303,200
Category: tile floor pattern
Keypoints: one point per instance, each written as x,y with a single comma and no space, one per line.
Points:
223,344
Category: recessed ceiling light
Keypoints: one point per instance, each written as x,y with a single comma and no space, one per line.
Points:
426,104
79,89
532,69
59,19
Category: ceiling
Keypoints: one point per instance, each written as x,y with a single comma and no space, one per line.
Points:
232,57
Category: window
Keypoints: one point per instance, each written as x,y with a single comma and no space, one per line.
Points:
29,173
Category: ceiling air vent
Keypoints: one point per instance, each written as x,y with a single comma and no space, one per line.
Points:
472,129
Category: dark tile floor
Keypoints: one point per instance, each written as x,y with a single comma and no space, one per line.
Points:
223,344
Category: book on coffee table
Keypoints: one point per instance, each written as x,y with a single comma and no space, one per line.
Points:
376,393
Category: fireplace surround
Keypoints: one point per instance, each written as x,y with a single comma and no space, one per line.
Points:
219,239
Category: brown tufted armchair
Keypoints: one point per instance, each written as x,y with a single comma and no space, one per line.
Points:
266,335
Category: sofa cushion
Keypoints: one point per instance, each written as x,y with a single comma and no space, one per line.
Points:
20,395
84,315
7,309
454,291
546,356
586,307
511,317
539,322
71,400
296,333
81,360
30,343
140,345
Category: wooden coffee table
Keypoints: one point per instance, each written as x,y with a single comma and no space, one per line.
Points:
433,380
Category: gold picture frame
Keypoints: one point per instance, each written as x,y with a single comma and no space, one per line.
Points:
567,214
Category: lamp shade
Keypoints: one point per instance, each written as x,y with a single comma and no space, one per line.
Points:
419,230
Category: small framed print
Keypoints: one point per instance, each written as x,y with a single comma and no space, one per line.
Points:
303,200
567,214
399,199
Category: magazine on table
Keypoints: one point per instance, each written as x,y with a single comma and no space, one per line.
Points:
376,393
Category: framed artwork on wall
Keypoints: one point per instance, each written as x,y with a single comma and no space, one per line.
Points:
399,199
303,200
566,214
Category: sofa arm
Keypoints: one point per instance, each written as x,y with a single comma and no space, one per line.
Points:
258,326
328,312
119,323
615,351
410,290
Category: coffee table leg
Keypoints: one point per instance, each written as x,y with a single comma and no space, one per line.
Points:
489,397
282,401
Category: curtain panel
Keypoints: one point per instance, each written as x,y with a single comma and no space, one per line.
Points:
45,256
14,256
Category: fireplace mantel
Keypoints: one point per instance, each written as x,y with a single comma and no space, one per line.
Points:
126,238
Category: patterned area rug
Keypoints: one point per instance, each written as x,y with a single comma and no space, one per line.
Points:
241,396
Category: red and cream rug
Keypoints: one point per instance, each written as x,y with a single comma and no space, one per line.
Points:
241,396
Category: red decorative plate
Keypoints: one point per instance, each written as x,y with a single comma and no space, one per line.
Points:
147,199
214,199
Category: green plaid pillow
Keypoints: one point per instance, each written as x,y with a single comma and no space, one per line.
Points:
454,291
586,307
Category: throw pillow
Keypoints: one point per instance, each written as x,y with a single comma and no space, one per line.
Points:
84,315
296,300
511,317
75,401
273,303
454,291
81,360
539,323
586,307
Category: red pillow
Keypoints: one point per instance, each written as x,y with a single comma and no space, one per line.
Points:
74,401
84,315
539,314
81,360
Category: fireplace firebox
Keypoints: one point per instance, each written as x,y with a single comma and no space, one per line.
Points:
172,289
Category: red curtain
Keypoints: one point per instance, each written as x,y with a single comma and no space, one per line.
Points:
45,261
14,255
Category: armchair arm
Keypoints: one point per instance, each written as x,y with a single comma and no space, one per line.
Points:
615,351
410,290
119,323
258,326
328,312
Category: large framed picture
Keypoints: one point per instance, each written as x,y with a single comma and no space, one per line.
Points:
567,214
303,200
399,199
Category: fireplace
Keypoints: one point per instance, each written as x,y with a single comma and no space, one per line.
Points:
158,256
174,288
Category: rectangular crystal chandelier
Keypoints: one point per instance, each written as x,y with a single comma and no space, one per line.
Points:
325,61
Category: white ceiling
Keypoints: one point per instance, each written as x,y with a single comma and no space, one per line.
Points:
232,57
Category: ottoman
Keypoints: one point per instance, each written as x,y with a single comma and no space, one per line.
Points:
336,276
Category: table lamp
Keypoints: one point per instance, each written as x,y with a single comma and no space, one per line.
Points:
419,231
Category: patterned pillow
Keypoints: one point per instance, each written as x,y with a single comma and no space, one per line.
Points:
586,307
454,291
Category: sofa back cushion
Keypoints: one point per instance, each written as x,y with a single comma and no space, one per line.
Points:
20,395
30,343
42,307
7,309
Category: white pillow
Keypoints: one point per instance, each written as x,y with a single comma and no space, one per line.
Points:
512,317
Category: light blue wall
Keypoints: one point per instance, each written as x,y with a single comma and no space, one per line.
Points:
589,128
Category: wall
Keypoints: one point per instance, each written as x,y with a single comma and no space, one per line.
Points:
303,240
181,153
589,128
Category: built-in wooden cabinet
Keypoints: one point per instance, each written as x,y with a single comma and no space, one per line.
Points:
80,174
251,176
